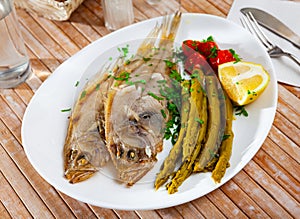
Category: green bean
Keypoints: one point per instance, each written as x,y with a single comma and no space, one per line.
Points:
226,146
199,98
215,125
170,161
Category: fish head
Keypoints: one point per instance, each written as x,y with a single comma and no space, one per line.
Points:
84,157
137,132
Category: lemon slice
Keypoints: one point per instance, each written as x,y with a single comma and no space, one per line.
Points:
243,81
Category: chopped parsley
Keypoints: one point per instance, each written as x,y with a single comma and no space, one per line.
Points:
169,63
155,96
199,120
83,94
235,55
124,50
225,137
146,59
66,110
240,111
124,76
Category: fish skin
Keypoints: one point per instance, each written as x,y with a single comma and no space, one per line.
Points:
89,143
84,149
133,120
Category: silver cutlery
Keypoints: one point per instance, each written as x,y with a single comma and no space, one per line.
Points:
273,24
249,22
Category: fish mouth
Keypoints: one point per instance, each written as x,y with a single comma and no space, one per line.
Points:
136,172
75,175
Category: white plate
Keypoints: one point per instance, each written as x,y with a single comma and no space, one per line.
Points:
44,125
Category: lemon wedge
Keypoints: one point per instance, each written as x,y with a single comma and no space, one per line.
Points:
243,81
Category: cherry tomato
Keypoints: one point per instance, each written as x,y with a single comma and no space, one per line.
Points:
222,56
207,48
189,47
194,60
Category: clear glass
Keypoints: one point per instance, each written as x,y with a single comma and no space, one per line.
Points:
117,13
14,61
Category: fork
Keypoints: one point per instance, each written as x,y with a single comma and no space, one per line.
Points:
249,22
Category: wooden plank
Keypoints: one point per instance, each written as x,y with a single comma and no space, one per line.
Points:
3,212
39,50
294,90
289,98
222,6
79,209
11,120
288,128
93,21
148,214
81,24
104,212
285,143
288,112
149,12
126,214
14,102
273,188
260,196
20,165
224,203
191,7
169,213
26,193
39,69
58,35
208,8
188,210
280,175
282,158
42,36
243,201
207,208
11,205
33,82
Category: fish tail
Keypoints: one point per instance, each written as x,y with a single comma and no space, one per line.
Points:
170,27
149,43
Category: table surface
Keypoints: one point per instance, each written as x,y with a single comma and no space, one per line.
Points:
268,186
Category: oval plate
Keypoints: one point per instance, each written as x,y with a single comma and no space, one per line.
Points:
44,125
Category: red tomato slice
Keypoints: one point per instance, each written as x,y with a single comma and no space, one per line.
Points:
194,60
222,56
189,47
208,48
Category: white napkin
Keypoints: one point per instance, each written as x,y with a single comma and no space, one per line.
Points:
288,12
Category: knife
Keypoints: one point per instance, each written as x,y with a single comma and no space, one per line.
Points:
273,24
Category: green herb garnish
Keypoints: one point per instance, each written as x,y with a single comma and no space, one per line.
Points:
225,137
236,56
83,94
240,111
66,110
199,120
155,96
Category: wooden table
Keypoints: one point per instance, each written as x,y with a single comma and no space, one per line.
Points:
268,187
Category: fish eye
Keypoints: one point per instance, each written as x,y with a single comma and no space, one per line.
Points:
82,159
146,116
131,154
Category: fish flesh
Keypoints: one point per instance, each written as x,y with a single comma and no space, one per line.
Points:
84,149
121,114
134,121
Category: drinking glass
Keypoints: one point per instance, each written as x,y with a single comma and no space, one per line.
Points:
117,13
14,61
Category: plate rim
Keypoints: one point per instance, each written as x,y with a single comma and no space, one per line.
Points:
153,206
